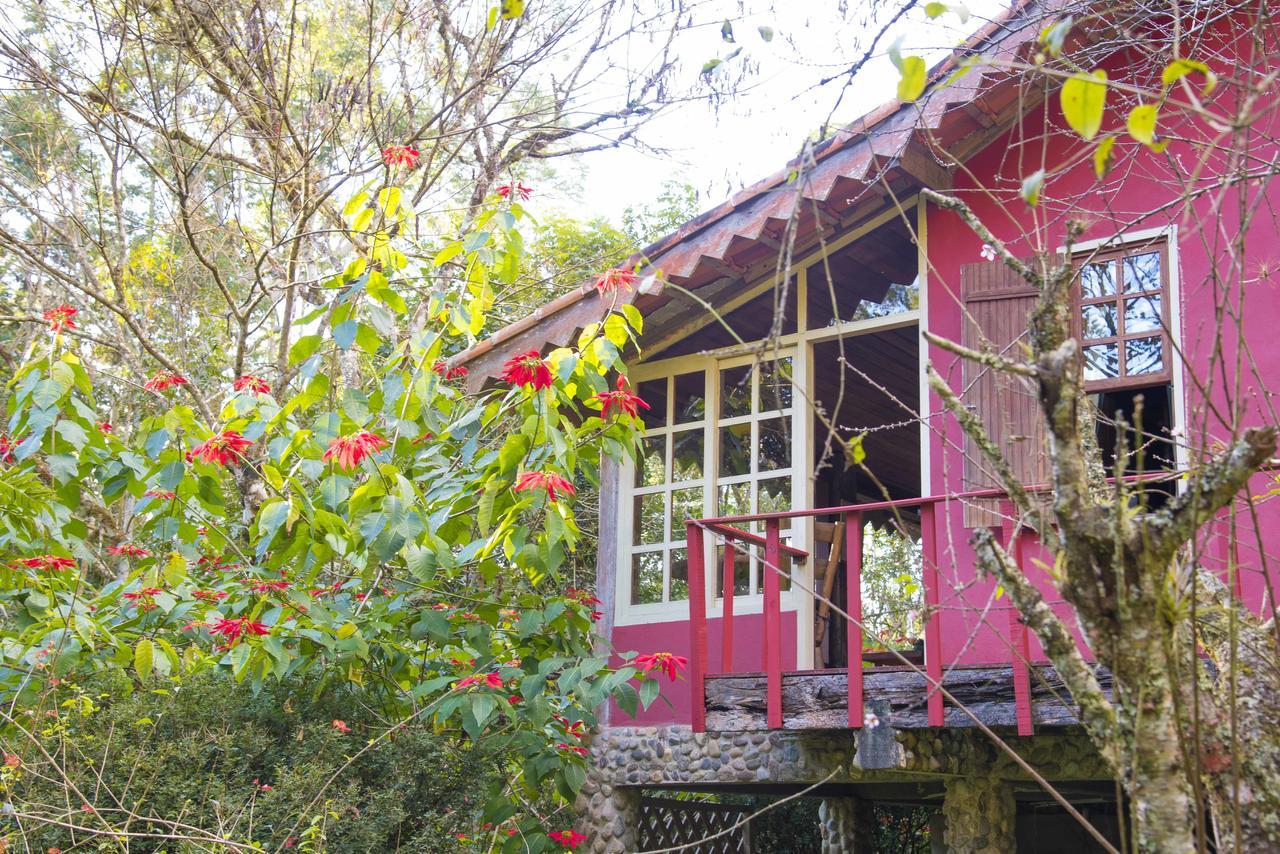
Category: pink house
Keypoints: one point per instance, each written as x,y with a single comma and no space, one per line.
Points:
794,452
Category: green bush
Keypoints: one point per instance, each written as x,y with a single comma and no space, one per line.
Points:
214,755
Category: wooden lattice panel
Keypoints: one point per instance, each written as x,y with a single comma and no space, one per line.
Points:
666,823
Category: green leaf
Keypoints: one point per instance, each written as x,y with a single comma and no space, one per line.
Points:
175,569
1054,35
1102,160
1084,100
711,65
1179,68
304,348
935,9
512,9
914,77
1142,123
63,467
1031,187
354,204
627,698
46,394
144,652
766,33
72,433
649,689
344,334
726,32
447,254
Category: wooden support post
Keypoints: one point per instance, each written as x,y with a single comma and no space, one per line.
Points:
1012,538
773,623
726,635
933,601
697,629
853,604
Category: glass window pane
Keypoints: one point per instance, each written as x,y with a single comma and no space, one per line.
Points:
734,500
1098,280
775,384
686,459
735,449
679,576
1101,362
651,462
649,525
685,504
788,566
646,578
741,571
735,391
1100,320
691,398
654,393
1143,356
774,495
1142,314
775,444
1142,272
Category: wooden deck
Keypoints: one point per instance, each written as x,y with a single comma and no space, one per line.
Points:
818,699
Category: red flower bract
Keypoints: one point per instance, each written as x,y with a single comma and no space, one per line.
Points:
163,380
515,191
341,726
555,485
104,427
257,385
480,680
60,318
449,373
570,839
6,448
347,451
159,494
401,155
612,280
621,399
221,448
527,369
664,662
235,629
47,563
128,550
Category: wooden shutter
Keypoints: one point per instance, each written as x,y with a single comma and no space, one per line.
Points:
998,304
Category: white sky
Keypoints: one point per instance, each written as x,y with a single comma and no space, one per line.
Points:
720,150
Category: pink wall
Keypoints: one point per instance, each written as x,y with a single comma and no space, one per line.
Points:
748,631
1142,182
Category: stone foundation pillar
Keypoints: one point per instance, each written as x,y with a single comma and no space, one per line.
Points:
847,826
609,816
980,813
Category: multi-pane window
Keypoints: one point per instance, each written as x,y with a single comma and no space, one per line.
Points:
1123,317
717,441
754,461
669,484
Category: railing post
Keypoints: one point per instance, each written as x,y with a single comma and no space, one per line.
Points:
773,623
726,649
853,604
932,600
1019,647
697,628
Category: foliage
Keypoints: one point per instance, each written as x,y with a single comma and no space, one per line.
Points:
254,765
379,525
892,590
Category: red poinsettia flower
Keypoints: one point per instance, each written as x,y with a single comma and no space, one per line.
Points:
516,191
612,280
527,369
209,595
159,494
6,448
340,726
480,680
582,597
48,563
267,586
401,155
163,380
144,599
348,451
257,385
104,427
663,662
555,485
128,550
572,748
234,629
570,839
221,448
60,318
621,399
449,373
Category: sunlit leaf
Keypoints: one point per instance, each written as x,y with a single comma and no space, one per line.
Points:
1084,100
